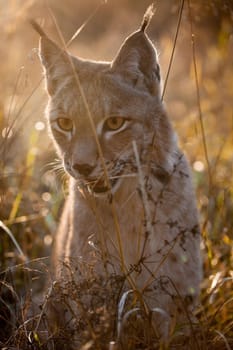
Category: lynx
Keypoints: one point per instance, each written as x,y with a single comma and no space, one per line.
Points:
131,207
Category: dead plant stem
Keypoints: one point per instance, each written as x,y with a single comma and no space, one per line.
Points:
173,49
198,95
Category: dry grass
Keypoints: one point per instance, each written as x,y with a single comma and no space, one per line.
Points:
198,93
103,312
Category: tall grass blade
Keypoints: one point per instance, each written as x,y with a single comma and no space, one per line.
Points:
10,234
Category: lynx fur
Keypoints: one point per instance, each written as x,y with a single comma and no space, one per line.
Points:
131,207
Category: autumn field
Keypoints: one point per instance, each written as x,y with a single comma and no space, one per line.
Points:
194,39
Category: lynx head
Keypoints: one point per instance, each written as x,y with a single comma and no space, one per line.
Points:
97,109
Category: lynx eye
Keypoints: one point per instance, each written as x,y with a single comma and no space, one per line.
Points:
114,123
65,124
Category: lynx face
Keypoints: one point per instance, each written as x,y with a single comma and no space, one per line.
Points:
116,124
97,110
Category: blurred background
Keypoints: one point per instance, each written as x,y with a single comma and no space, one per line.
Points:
32,191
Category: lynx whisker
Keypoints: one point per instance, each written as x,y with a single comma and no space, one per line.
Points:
54,163
122,176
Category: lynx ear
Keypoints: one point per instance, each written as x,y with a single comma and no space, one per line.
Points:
55,60
136,61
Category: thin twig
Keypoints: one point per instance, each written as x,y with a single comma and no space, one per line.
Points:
174,46
8,126
198,95
141,179
228,347
78,31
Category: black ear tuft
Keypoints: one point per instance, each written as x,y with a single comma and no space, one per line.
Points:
136,62
147,17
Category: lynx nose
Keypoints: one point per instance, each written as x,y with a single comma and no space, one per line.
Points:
83,169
